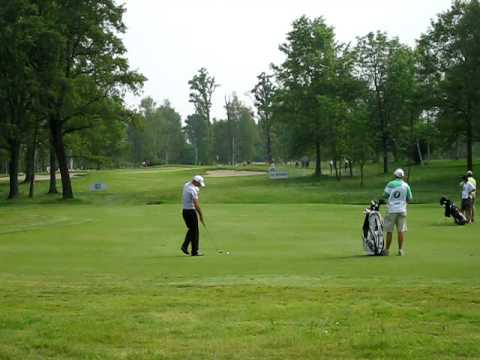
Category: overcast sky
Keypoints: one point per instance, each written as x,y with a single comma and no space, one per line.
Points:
169,41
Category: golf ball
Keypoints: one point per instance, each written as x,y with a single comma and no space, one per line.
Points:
228,252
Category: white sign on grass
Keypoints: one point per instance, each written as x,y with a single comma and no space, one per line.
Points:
277,175
98,187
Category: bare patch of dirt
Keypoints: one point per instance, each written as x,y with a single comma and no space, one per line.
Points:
44,177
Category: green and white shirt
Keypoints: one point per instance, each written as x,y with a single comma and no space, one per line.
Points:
472,181
398,193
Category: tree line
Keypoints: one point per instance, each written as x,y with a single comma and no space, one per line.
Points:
159,137
63,70
374,98
64,75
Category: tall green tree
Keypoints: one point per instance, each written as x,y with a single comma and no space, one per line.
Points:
104,144
241,131
359,146
304,76
91,65
341,102
20,30
222,146
264,92
405,105
376,53
136,139
197,132
450,52
163,139
315,82
248,135
172,141
232,108
202,87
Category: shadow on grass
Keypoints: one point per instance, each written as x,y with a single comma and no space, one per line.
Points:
445,224
352,257
158,257
155,202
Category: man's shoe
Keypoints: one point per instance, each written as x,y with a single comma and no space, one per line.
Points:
197,254
401,252
184,250
385,252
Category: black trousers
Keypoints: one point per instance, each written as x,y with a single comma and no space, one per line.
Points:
192,237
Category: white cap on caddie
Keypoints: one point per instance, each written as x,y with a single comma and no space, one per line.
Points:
399,173
469,173
199,179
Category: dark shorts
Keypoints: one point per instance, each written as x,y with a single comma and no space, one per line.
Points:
466,204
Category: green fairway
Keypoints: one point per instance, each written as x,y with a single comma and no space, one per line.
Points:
103,276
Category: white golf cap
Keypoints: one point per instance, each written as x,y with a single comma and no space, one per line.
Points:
469,173
199,179
399,173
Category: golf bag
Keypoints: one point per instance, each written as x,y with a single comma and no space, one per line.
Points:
373,241
452,211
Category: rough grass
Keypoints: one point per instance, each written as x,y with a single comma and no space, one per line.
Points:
103,277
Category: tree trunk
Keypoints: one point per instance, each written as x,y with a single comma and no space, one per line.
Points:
13,169
31,191
29,162
32,175
57,137
385,153
269,141
361,174
318,160
419,152
383,129
394,151
457,149
469,143
53,169
269,148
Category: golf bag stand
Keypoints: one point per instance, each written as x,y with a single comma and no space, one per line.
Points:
373,240
452,211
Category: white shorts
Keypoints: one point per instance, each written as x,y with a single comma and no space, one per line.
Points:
396,219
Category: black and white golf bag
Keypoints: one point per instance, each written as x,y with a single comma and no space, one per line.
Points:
452,211
373,241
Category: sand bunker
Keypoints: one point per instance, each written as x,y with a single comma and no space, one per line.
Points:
232,173
156,170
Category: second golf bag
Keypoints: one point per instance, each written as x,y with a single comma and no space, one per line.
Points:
452,211
373,241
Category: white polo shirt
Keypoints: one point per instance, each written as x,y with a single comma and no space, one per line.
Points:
468,187
190,193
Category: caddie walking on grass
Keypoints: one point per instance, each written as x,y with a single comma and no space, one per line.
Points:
398,194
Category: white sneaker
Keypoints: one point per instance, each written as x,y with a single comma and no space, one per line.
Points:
401,252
